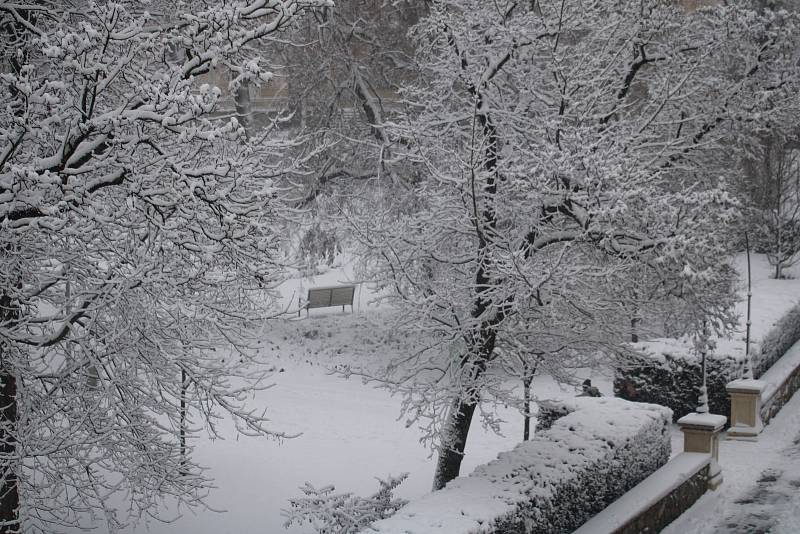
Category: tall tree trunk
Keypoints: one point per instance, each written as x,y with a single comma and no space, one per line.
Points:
9,490
526,388
448,465
778,242
184,386
779,216
527,379
9,487
244,107
483,338
183,415
9,315
463,408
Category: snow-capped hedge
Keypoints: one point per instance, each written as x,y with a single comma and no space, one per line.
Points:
549,412
668,371
552,483
777,342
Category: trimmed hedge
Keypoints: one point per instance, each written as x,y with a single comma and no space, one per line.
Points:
553,483
778,340
668,372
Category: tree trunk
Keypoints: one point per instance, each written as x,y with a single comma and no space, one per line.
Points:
526,393
9,491
184,386
483,339
779,223
527,379
244,108
449,464
9,488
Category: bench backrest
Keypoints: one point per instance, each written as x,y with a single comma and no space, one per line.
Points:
322,297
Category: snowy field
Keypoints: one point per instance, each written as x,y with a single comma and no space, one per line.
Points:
349,432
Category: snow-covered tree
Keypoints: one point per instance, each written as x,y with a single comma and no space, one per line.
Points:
771,187
572,150
770,169
344,83
138,243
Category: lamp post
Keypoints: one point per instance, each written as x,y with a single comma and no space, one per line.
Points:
703,347
748,365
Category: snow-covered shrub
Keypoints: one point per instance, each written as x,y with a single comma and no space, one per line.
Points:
343,513
668,371
778,340
552,483
548,413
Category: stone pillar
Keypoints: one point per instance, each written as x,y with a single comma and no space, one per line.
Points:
745,408
701,434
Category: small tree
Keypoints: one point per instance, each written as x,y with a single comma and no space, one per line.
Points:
772,186
343,513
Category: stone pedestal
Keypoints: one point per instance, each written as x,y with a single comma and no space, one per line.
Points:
745,408
701,434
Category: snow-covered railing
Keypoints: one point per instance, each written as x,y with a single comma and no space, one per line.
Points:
552,483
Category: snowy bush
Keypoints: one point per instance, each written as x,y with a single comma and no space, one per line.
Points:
668,371
549,412
778,340
343,513
552,483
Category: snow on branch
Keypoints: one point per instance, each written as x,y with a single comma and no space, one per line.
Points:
343,513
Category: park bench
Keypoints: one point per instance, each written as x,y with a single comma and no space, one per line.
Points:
324,297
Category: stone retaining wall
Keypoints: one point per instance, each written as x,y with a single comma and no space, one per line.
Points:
668,509
657,501
778,397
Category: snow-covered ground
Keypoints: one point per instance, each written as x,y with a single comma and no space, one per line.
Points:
771,298
350,432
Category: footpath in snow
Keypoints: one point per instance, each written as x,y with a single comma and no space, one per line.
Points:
761,490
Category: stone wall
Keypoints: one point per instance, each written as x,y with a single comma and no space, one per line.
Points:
665,511
656,501
771,406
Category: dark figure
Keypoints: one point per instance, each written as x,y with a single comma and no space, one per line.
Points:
589,390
